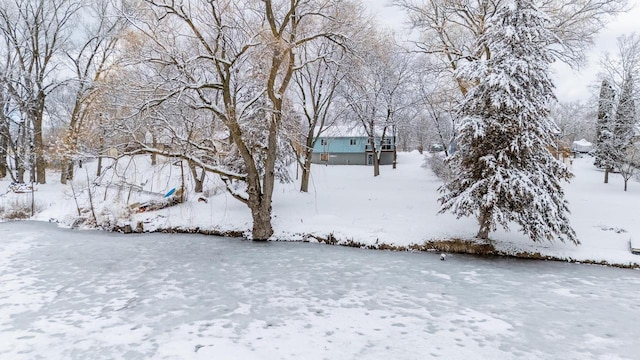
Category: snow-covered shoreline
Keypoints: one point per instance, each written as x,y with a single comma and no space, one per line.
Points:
397,210
446,246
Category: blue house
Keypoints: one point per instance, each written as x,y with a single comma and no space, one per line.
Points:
340,145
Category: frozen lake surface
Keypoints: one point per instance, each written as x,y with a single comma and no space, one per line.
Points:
91,295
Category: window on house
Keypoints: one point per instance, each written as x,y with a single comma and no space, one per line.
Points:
352,141
386,144
324,157
323,141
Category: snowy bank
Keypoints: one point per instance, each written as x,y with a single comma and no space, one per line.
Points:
397,209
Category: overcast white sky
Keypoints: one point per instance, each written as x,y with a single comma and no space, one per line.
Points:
570,85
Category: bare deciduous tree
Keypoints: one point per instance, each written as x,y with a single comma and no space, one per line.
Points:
91,58
235,61
37,32
375,90
316,85
439,101
5,116
630,163
451,29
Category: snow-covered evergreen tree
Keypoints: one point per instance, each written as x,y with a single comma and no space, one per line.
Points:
616,133
605,118
505,171
626,112
625,152
616,136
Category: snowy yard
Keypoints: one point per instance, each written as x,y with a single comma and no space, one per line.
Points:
399,207
93,295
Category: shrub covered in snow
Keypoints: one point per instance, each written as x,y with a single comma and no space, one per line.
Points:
436,163
18,208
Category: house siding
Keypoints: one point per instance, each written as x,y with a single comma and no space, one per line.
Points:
386,158
347,151
341,145
341,159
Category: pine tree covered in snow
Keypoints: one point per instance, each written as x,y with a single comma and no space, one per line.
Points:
626,112
605,119
616,133
625,151
505,172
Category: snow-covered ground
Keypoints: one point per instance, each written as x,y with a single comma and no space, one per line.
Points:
67,294
399,207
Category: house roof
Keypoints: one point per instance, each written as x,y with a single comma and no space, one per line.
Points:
341,131
582,142
345,131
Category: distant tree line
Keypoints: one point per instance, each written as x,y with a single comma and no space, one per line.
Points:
618,134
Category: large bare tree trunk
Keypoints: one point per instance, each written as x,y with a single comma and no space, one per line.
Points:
72,143
259,193
261,211
67,171
20,173
376,164
259,203
376,160
261,215
8,147
21,156
32,170
280,74
306,166
306,174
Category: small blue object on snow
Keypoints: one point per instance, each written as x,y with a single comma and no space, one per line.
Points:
170,192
